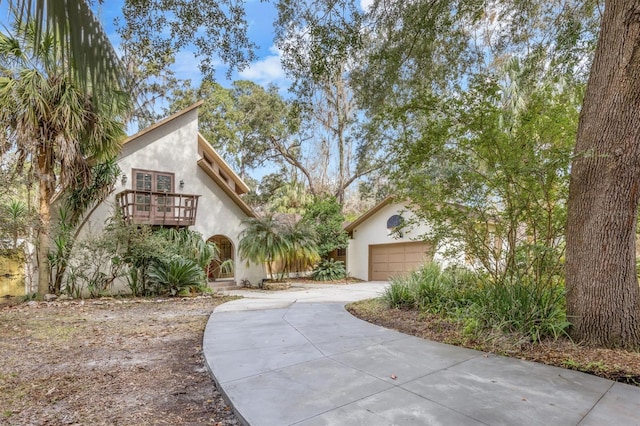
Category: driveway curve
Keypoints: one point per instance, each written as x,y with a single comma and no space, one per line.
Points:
297,357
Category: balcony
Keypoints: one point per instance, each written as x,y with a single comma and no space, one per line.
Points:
158,208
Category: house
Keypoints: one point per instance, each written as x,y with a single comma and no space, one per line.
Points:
380,247
172,177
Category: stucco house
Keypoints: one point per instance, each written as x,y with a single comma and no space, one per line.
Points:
379,247
172,177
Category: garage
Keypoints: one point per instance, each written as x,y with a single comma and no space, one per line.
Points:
388,260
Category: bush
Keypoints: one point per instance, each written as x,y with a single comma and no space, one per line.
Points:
399,296
329,270
177,276
531,309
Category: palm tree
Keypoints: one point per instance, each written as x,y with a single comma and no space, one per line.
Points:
302,245
59,129
262,242
83,44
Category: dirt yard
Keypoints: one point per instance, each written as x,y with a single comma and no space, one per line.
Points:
107,362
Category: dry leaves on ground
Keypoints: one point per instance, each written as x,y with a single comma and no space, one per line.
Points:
113,361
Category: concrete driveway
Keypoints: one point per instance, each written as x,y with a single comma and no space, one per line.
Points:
298,357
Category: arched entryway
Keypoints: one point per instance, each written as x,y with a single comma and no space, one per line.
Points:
226,253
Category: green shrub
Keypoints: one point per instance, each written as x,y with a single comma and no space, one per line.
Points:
329,270
430,291
526,308
176,276
399,295
535,311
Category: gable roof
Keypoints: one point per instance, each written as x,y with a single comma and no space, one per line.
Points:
210,151
162,122
366,215
204,165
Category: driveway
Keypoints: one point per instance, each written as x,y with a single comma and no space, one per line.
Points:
297,357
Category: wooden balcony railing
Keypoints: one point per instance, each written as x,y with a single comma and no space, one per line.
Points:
158,208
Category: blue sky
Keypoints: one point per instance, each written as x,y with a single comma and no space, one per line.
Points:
260,16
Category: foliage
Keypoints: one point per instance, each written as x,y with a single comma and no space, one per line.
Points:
527,308
85,48
164,261
491,170
14,221
261,241
290,198
239,121
399,295
482,304
325,216
329,270
156,31
176,276
52,123
76,201
272,241
190,245
94,265
302,249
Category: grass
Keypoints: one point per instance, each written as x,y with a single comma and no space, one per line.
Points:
532,310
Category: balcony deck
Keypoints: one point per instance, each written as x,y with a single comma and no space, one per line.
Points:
158,208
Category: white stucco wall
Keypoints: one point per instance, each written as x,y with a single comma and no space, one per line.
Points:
172,147
374,231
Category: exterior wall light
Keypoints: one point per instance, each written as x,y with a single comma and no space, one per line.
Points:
123,180
181,183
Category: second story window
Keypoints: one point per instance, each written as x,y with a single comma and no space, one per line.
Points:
156,182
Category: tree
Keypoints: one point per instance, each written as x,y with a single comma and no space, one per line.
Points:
271,240
490,171
318,40
302,251
325,217
421,50
603,297
83,45
58,128
239,121
155,31
262,242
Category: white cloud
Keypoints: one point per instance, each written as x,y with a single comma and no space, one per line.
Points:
267,70
366,5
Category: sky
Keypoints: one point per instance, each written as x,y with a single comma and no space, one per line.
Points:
260,16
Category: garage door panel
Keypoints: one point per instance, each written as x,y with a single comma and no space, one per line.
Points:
395,249
397,267
381,267
390,260
414,257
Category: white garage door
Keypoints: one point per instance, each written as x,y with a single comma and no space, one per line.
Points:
387,260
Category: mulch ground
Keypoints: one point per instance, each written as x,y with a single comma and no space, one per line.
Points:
614,364
108,361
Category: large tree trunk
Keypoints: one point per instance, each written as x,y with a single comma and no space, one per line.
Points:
603,296
45,194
